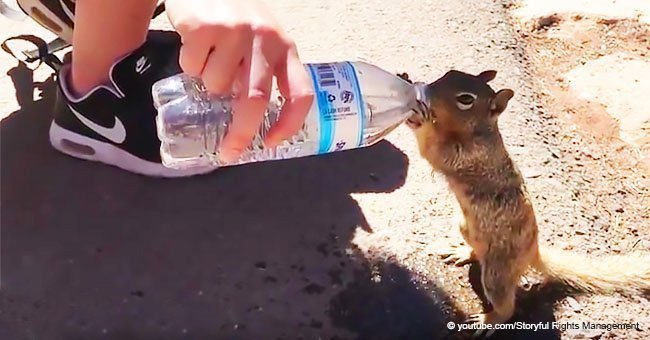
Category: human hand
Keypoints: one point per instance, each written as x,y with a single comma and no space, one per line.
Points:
237,46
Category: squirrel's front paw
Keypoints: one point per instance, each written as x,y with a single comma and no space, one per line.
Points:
458,254
480,320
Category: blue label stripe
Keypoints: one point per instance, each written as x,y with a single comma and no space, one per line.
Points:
329,124
326,129
360,103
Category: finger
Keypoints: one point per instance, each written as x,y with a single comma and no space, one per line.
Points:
229,49
296,87
261,73
221,68
249,108
242,78
193,56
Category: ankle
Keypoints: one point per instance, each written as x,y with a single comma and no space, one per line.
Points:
82,81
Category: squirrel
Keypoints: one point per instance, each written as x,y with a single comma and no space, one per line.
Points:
458,134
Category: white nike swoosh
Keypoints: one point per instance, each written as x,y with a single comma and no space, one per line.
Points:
116,134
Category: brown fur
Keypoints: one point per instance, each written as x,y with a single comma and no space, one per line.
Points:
499,226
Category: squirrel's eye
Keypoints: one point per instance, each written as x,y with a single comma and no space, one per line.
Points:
465,99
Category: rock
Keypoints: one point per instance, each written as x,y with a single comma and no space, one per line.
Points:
547,21
584,333
531,172
646,245
624,75
574,304
555,153
601,225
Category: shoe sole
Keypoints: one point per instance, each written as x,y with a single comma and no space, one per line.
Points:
78,146
42,15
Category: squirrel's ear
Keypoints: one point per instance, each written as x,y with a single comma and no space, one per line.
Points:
500,101
487,76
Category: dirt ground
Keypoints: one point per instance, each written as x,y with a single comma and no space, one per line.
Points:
590,64
342,246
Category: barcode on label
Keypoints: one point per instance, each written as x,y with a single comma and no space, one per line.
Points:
326,75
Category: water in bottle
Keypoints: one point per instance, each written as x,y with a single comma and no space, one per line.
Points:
355,105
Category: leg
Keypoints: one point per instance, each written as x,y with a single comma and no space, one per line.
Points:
524,283
104,32
529,259
459,254
103,111
499,283
464,228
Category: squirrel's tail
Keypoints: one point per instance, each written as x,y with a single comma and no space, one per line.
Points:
627,274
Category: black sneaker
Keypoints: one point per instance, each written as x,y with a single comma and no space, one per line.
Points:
55,15
115,123
58,15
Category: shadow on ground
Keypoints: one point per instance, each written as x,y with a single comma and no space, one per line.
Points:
251,252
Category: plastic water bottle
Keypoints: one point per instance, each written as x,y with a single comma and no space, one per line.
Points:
355,105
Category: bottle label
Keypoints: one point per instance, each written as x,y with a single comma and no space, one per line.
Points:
340,105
